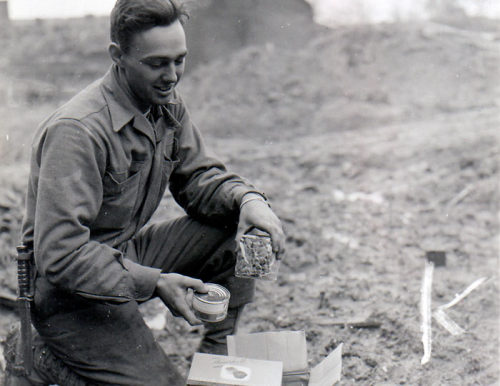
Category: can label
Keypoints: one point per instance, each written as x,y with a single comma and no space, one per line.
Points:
211,306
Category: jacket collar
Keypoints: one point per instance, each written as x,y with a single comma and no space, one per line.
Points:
122,106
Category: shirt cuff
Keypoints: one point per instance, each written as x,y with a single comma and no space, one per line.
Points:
251,196
145,279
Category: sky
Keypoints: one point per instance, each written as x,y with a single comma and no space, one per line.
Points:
326,11
336,12
30,9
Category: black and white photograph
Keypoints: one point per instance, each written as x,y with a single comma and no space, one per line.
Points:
249,192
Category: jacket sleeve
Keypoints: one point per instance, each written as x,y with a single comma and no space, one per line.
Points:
200,182
70,162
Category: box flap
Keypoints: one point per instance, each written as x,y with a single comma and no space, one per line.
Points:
329,370
288,347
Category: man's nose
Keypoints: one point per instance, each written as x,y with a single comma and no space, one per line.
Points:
169,74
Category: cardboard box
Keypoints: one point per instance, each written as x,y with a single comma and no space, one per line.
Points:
290,348
215,370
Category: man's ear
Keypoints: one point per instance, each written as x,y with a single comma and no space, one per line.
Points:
116,53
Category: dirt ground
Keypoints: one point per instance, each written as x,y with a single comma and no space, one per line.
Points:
375,144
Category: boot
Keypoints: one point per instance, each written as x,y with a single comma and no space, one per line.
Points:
47,368
214,340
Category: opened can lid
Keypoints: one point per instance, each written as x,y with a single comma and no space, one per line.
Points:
216,294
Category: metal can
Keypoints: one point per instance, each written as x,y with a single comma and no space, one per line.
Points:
211,306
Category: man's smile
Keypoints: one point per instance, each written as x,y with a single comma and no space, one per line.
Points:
164,89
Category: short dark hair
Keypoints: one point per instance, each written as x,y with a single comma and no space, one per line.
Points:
129,17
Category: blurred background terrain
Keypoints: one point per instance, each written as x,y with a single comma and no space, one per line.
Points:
374,134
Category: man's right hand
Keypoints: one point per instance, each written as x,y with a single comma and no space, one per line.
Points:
176,291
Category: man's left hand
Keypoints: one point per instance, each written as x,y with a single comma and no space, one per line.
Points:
256,213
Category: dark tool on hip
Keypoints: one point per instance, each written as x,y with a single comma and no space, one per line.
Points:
24,361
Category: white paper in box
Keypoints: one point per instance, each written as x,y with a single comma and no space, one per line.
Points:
215,370
290,347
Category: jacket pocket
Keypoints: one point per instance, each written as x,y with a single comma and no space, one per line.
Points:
168,167
119,198
170,159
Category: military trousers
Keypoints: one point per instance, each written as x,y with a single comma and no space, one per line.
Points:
109,343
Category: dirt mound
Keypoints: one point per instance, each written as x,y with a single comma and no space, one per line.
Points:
347,78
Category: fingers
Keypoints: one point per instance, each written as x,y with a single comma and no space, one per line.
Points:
277,238
184,309
257,215
243,229
275,230
176,292
195,284
278,241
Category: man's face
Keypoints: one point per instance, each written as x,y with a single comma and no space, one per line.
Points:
154,63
